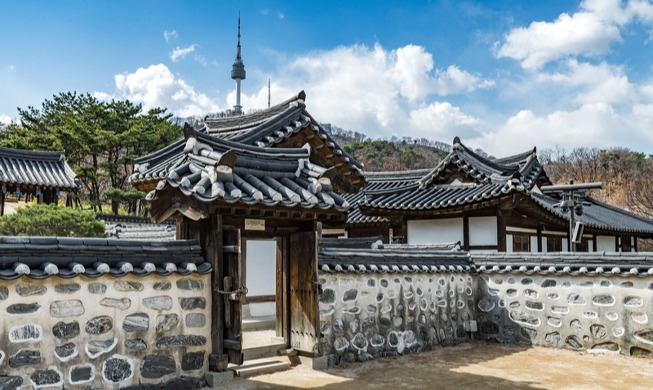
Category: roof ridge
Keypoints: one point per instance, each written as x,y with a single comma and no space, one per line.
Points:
33,154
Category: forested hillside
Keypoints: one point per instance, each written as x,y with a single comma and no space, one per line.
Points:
627,175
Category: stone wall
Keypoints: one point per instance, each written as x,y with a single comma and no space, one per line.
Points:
367,315
593,313
105,332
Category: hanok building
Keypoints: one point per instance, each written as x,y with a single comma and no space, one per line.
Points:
253,199
43,175
506,204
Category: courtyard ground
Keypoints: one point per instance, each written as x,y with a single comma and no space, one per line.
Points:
470,366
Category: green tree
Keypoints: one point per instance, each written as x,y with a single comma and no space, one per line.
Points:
51,220
101,139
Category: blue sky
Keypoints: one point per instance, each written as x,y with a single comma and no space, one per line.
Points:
503,75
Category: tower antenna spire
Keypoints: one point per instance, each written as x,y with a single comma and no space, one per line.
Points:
238,72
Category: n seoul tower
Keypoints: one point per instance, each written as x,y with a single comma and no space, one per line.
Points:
238,73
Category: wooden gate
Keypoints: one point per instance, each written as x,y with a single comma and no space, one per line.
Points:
303,293
233,290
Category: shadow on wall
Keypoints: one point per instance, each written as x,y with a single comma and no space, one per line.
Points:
593,313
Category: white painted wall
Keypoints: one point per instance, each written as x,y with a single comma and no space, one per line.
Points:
605,244
509,243
435,231
533,243
483,231
261,265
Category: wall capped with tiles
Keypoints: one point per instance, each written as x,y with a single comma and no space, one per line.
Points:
592,313
105,332
369,315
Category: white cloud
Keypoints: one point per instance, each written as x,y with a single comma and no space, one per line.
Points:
280,15
591,125
371,89
589,32
601,83
168,35
179,53
11,68
156,86
441,120
5,119
582,33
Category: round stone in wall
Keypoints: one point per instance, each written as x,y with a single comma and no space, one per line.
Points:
181,341
66,331
166,323
192,361
66,352
194,320
125,286
192,303
99,325
46,378
23,308
162,286
81,373
122,304
70,308
117,369
95,348
27,290
97,288
157,366
25,357
25,333
4,293
137,322
190,284
136,345
67,288
158,303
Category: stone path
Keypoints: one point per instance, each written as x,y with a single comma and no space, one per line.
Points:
471,366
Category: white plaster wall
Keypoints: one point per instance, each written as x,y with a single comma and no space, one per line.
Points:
483,231
605,244
509,243
435,231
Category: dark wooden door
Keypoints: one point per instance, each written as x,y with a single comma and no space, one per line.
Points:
233,292
303,292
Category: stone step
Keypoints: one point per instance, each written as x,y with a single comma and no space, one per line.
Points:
263,351
260,367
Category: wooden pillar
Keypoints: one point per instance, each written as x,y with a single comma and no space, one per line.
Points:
539,238
465,232
2,203
211,241
501,232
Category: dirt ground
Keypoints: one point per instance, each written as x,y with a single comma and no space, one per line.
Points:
470,366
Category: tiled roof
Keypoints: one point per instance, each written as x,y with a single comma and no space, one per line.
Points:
349,256
390,259
35,168
599,215
265,129
488,179
565,263
42,257
524,166
213,169
379,181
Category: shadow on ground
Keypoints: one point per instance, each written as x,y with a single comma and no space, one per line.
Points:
442,368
